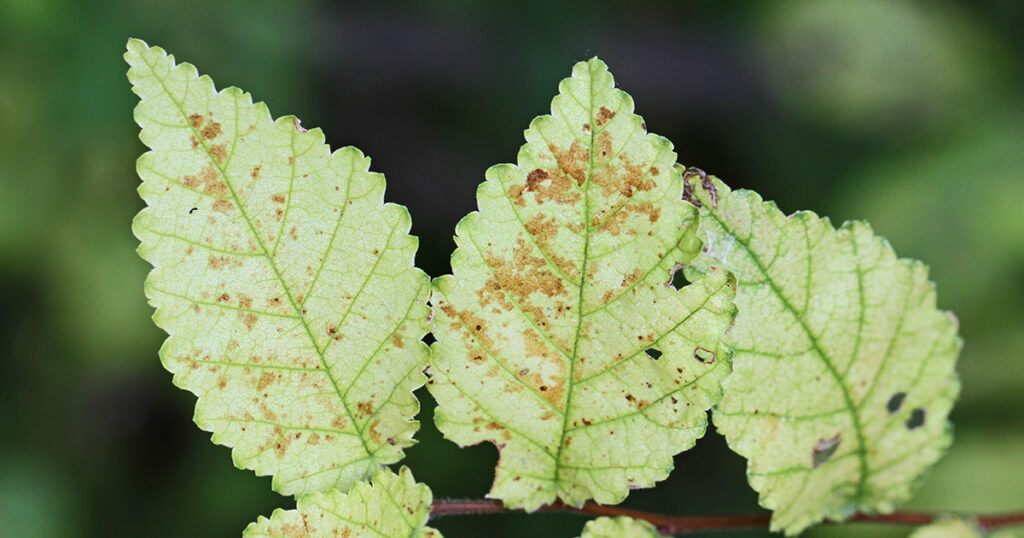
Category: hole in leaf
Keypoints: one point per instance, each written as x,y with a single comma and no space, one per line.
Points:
704,355
896,402
653,353
677,277
823,450
916,419
429,338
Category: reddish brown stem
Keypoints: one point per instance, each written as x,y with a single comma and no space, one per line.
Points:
673,525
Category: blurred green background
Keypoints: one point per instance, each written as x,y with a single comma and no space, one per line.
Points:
907,114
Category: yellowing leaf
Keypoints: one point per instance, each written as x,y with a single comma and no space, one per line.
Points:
843,367
394,506
559,337
285,283
619,527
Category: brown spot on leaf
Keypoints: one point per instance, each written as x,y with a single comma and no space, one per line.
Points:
314,439
397,340
339,423
534,178
219,152
250,320
195,120
223,206
211,182
223,298
375,435
573,161
211,130
265,380
244,301
282,446
603,115
279,198
255,171
365,408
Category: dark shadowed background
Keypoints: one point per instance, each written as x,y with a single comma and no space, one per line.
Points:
907,114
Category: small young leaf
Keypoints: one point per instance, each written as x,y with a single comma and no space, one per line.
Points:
394,506
562,282
285,283
843,365
620,527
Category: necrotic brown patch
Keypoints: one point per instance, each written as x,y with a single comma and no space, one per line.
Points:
211,130
603,115
219,152
223,206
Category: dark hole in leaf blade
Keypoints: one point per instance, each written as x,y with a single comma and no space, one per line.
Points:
896,402
916,419
704,355
653,353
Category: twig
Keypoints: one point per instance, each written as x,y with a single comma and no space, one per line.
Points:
673,525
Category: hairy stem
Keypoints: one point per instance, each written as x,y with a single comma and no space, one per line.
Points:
684,524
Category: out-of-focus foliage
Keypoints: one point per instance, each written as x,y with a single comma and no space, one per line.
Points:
915,127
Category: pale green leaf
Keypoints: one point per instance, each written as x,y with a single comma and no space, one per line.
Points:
393,506
559,336
948,527
843,367
285,283
619,527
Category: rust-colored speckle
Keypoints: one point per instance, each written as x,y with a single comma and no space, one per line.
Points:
195,120
211,130
282,446
244,301
294,233
365,408
250,320
191,182
255,171
375,435
279,198
543,228
223,206
314,439
397,340
603,115
339,423
212,183
573,161
219,152
223,298
515,193
265,380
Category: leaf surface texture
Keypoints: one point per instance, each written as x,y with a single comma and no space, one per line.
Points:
285,283
560,338
619,527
